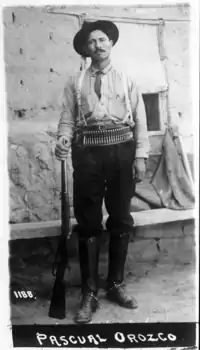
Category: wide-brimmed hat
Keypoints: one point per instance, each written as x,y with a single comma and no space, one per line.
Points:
108,27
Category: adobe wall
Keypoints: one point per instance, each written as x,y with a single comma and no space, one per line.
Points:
38,58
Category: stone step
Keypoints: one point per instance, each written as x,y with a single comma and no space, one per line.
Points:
141,219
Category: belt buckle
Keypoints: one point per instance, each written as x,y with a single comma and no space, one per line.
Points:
78,136
101,127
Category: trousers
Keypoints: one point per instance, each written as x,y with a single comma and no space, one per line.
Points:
103,173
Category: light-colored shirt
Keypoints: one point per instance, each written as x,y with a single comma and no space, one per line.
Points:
110,108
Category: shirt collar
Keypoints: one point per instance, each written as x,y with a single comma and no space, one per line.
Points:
94,70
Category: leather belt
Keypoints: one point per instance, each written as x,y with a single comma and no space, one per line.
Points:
102,135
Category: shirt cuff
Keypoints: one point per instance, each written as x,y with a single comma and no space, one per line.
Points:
141,153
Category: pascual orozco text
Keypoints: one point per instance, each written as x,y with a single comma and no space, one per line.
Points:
96,339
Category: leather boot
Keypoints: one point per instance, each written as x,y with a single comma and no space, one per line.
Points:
118,248
89,260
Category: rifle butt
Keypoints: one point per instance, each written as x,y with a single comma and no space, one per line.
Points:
58,303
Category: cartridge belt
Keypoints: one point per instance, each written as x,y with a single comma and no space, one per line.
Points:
102,135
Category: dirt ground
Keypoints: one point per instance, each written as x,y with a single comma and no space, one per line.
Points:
165,293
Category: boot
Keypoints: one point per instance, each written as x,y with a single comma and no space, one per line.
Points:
118,248
88,259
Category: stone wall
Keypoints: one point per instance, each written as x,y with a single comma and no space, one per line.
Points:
38,58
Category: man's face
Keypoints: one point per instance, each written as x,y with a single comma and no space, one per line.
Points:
98,45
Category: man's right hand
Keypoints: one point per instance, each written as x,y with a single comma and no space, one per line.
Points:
62,148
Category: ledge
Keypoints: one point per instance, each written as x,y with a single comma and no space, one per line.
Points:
141,218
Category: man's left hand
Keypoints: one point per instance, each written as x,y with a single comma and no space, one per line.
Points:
139,169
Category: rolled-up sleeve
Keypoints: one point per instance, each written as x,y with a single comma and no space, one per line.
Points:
140,129
67,118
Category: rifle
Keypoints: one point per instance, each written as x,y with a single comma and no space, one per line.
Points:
57,304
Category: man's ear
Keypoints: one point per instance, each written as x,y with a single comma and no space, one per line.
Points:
111,43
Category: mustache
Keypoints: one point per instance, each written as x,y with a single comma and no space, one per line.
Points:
100,50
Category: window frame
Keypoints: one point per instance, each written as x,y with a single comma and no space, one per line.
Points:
163,114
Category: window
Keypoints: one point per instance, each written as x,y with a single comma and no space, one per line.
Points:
151,102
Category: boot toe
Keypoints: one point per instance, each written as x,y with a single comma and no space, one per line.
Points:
130,303
82,317
118,296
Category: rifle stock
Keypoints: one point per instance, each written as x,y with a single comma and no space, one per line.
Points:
57,304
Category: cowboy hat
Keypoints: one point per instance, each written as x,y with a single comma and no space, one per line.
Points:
108,27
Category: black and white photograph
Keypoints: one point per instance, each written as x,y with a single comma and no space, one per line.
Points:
101,174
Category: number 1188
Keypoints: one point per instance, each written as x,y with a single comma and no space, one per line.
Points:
23,295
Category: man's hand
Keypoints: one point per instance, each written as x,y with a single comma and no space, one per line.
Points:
139,168
62,148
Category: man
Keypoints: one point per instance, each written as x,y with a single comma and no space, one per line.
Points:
103,121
